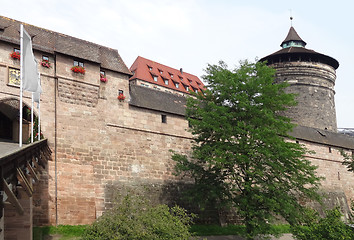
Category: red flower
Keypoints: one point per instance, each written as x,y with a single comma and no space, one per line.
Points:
15,55
103,78
45,63
78,69
121,97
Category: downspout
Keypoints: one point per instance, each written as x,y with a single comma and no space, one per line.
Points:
55,138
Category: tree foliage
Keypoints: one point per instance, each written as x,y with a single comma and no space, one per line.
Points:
330,227
134,218
348,161
240,156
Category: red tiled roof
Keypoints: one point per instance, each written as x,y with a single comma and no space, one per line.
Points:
141,68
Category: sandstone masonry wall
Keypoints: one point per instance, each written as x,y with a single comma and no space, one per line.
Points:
100,144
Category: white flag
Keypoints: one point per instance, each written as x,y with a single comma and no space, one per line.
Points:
29,70
37,94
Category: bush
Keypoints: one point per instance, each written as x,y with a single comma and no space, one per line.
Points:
134,218
330,227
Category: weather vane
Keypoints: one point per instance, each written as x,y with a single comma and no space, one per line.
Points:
291,17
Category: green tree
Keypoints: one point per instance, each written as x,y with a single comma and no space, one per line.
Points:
348,160
241,157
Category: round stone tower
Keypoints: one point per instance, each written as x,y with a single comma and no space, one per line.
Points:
311,76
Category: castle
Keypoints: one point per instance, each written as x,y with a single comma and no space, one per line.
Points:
112,126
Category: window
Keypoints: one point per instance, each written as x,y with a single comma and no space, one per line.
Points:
150,68
102,73
196,90
181,78
163,118
120,92
189,80
171,75
166,81
45,58
187,88
16,50
329,149
78,63
160,71
155,78
177,85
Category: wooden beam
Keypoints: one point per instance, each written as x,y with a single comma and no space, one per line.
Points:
36,165
27,187
12,198
32,172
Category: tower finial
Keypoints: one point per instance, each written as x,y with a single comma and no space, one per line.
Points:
291,17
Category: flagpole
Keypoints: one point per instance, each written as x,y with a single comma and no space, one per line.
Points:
32,120
21,90
39,119
39,110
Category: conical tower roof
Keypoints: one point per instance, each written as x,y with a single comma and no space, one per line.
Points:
293,37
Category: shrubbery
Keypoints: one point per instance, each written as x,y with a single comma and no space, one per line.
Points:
134,218
330,227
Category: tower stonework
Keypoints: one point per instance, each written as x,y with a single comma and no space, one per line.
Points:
311,76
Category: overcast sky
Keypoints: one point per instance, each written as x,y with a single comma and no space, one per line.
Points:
192,33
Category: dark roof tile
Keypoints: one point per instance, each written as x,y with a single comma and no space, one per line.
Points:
49,41
157,100
323,137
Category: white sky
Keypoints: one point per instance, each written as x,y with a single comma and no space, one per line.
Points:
192,33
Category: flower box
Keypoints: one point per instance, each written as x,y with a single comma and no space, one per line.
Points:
15,55
45,63
121,97
78,69
103,78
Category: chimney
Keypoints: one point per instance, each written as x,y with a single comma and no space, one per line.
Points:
181,70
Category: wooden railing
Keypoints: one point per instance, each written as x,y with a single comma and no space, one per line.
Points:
19,168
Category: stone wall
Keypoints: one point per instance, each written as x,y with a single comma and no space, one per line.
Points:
101,144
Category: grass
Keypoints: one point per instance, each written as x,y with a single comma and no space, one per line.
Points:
69,232
66,231
215,230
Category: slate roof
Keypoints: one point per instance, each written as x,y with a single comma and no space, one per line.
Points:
292,36
51,42
157,100
298,53
323,137
141,68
